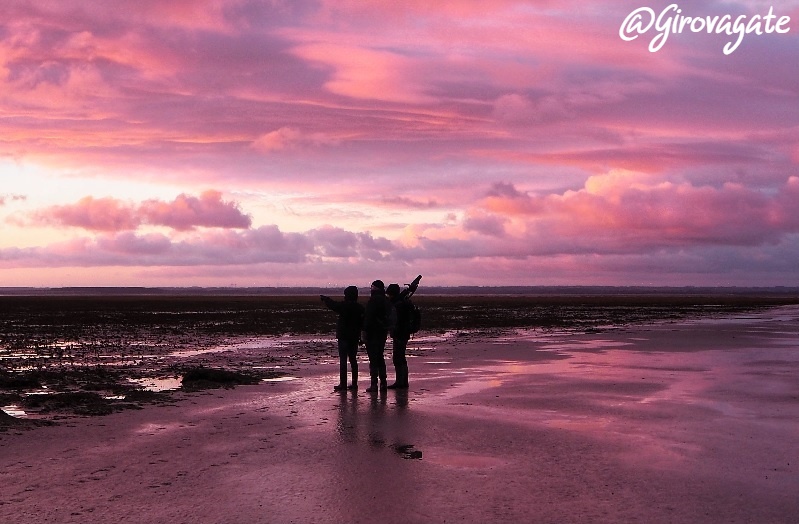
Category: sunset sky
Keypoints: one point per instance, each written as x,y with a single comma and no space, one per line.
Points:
333,142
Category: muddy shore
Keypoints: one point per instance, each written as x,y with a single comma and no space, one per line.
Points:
689,420
62,354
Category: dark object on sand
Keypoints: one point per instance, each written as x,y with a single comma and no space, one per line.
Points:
15,381
78,402
406,451
212,378
8,421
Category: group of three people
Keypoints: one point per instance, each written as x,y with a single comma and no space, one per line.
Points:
386,312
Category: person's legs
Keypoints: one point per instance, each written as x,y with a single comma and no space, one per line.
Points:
403,362
343,351
399,346
373,367
352,355
382,363
377,362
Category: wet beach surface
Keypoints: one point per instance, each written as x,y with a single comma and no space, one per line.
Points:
691,418
92,355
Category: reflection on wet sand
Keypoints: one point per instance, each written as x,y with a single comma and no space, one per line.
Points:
374,419
695,422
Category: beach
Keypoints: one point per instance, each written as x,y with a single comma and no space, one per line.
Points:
679,420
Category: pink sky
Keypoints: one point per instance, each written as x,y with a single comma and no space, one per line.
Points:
259,143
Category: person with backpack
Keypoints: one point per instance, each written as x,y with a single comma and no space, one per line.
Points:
348,332
376,325
406,323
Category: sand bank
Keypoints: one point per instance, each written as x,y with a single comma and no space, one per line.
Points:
694,421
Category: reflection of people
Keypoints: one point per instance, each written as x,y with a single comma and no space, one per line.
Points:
401,332
347,423
348,332
375,332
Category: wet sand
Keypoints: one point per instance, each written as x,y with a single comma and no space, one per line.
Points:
688,421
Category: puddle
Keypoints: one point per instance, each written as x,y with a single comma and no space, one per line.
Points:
278,379
14,411
475,385
584,345
264,343
198,352
159,384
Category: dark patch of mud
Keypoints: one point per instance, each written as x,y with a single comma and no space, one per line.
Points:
77,402
200,378
59,393
7,422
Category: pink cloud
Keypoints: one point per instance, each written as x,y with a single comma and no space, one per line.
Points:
277,140
130,244
363,73
289,138
98,214
110,214
412,203
336,242
188,212
624,210
490,225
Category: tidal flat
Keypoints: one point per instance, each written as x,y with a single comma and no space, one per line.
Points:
630,409
93,354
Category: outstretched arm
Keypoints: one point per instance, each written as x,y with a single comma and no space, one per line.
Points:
332,304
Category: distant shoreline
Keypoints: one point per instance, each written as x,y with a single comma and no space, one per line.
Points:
775,291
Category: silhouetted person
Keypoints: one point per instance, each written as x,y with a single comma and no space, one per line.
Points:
348,332
375,332
402,331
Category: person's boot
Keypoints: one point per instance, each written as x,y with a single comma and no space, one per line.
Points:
402,378
354,386
342,382
373,387
383,385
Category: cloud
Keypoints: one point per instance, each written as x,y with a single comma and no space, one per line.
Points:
360,72
623,211
515,108
212,247
129,244
288,138
188,212
491,225
505,190
277,140
110,214
405,202
97,214
619,214
4,199
336,242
